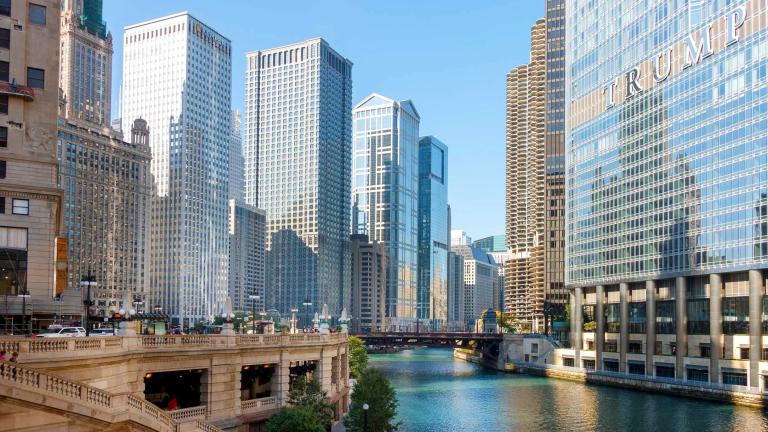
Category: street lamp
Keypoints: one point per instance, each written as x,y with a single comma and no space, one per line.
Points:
27,329
365,417
293,319
88,282
253,298
307,304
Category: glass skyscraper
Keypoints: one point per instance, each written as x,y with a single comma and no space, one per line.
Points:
177,77
298,103
385,194
433,231
667,187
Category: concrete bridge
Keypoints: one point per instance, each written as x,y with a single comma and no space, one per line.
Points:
218,382
450,339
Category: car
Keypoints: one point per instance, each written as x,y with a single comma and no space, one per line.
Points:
102,332
64,332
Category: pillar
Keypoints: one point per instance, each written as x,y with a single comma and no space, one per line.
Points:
624,326
572,305
600,328
681,327
715,326
650,325
579,314
755,325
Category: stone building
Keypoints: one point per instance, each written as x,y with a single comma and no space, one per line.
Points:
247,233
30,202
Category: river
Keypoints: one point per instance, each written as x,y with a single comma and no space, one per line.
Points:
437,393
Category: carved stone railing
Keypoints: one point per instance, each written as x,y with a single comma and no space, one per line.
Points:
252,406
189,414
203,426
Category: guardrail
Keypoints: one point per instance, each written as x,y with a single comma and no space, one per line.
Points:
189,414
117,344
259,405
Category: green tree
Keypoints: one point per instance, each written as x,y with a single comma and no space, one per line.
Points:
358,357
295,419
374,389
309,393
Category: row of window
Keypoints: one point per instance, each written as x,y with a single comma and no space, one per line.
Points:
18,206
36,12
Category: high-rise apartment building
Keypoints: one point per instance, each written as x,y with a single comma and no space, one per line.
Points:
667,188
526,185
86,62
236,161
177,77
496,243
369,284
456,313
30,202
386,194
555,294
247,233
298,104
480,276
433,231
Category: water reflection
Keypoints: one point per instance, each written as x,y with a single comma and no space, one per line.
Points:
437,393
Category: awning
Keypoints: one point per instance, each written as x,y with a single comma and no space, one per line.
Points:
152,316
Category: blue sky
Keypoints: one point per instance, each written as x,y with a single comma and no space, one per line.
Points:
450,57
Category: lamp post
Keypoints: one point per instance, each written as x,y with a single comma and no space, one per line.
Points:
254,299
294,311
365,417
88,282
307,304
27,329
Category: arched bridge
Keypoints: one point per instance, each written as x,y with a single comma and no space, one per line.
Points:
448,339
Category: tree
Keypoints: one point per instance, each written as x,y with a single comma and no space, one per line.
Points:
295,419
358,357
374,389
309,393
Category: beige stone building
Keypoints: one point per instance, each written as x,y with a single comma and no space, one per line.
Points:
30,202
369,284
525,185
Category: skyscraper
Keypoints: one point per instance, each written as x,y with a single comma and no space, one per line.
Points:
480,277
298,102
495,243
86,62
460,237
667,215
456,312
247,232
30,202
106,204
385,195
177,77
433,231
525,185
236,162
369,284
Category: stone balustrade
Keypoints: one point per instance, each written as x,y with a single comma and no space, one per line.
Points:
254,406
190,414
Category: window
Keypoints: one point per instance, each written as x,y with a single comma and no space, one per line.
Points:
5,7
611,346
4,71
13,260
3,165
568,361
21,207
665,371
698,316
36,14
635,347
5,38
3,104
3,136
704,350
36,78
665,317
611,365
736,315
735,377
658,348
697,374
2,205
589,364
636,368
744,353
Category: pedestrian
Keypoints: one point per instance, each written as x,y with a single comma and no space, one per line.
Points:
172,404
2,356
14,357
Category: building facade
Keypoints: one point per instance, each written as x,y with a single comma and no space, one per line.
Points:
177,77
667,174
107,188
456,312
247,261
298,104
236,161
496,243
30,202
86,62
480,276
369,284
433,231
386,194
525,185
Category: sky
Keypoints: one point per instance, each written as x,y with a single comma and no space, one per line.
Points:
450,57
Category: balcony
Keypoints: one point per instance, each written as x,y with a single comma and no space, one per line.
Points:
18,90
256,406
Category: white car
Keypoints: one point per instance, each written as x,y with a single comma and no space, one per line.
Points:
64,332
102,332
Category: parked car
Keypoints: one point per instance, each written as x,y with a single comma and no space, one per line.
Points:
102,332
64,332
